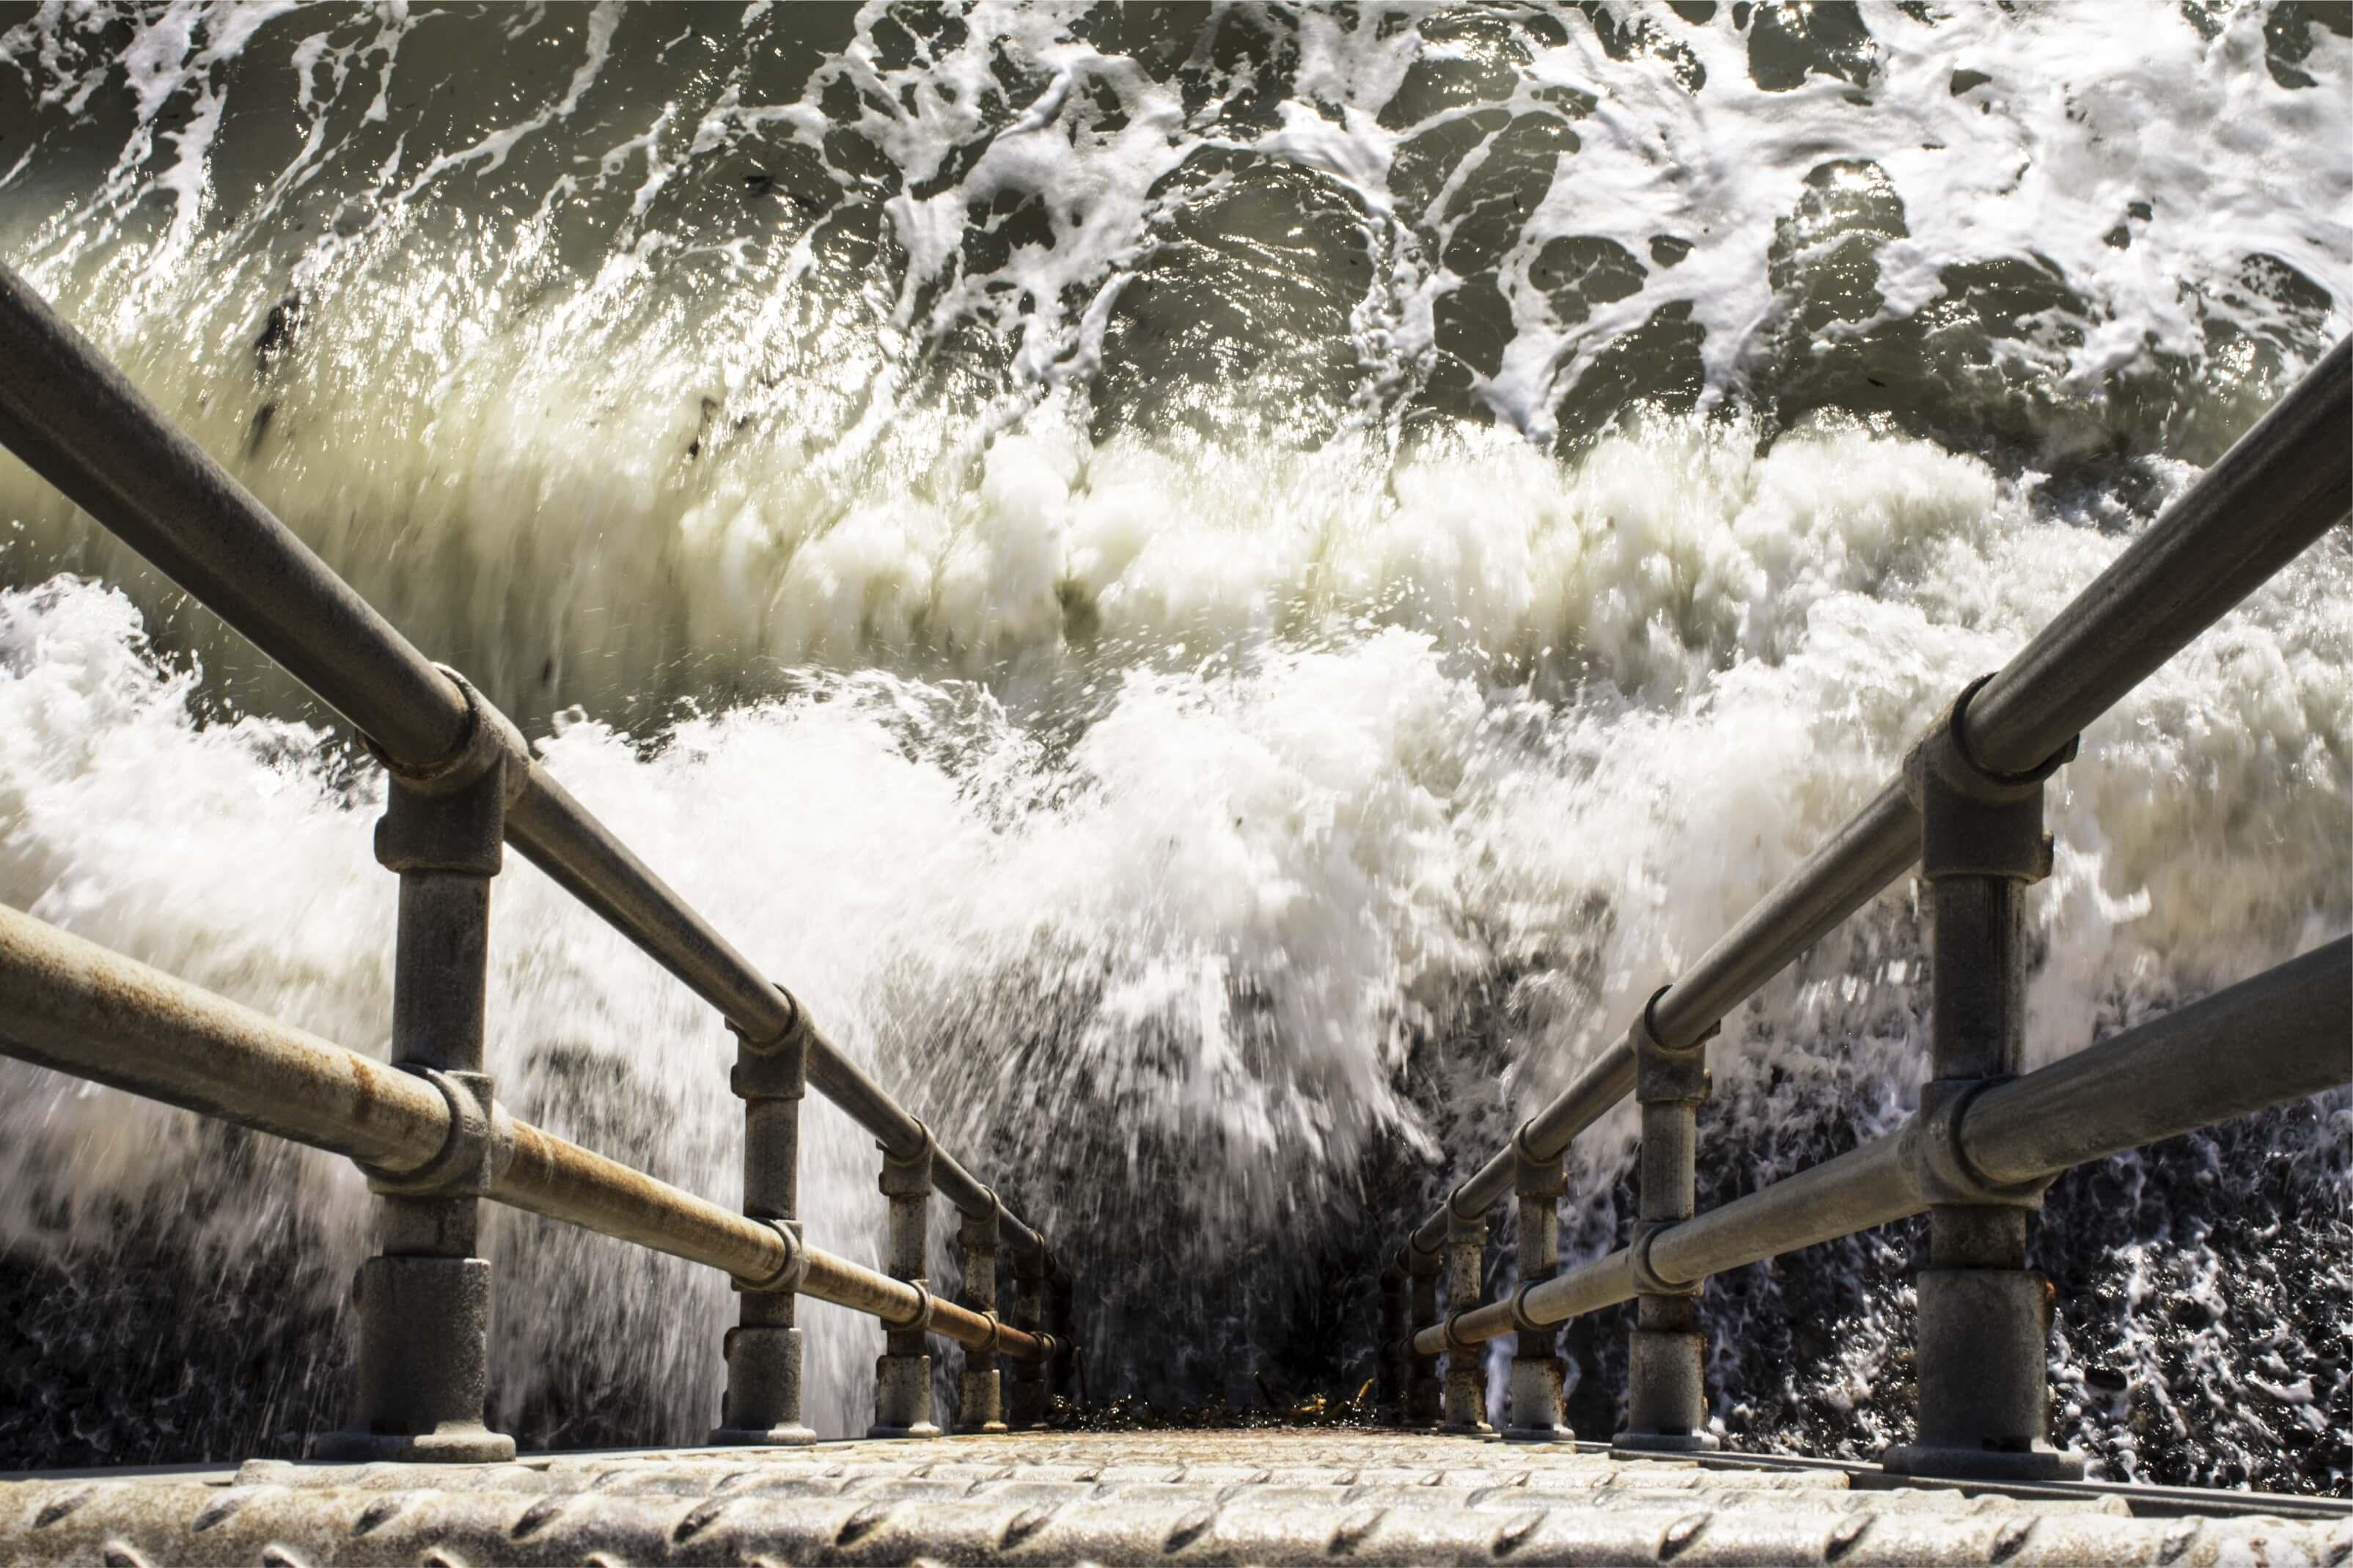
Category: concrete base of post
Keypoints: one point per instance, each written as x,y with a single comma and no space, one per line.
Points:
902,1397
458,1443
424,1365
1984,1389
762,1405
2040,1463
1666,1411
1025,1405
1536,1413
1465,1407
978,1403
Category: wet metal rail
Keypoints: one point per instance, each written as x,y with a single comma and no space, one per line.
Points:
462,784
2283,486
1967,809
83,1009
2278,1037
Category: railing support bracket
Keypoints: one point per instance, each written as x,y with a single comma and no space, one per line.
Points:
423,1300
1534,1412
1666,1388
979,1400
1984,1321
762,1406
1465,1404
903,1373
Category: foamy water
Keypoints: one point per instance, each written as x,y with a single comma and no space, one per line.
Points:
1221,600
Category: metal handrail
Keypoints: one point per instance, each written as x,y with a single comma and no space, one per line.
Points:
2267,1041
71,1006
79,422
2279,487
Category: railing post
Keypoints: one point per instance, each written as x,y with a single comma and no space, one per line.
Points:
1537,1376
1984,1319
424,1300
1667,1384
1424,1403
1065,1358
763,1403
978,1401
903,1375
1027,1409
1466,1364
1393,1365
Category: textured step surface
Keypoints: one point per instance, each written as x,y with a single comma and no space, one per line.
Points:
1143,1497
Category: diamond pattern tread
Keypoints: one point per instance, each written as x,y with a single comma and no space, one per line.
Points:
1113,1497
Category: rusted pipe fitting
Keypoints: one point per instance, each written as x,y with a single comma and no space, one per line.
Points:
1666,1396
918,1321
424,1302
790,1273
1535,1408
491,744
479,1147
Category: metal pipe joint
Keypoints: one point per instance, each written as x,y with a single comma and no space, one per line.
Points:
790,1274
762,1405
1975,821
980,1402
1648,1280
791,1042
1534,1406
1665,1074
918,1321
1937,1155
491,745
908,1175
479,1147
